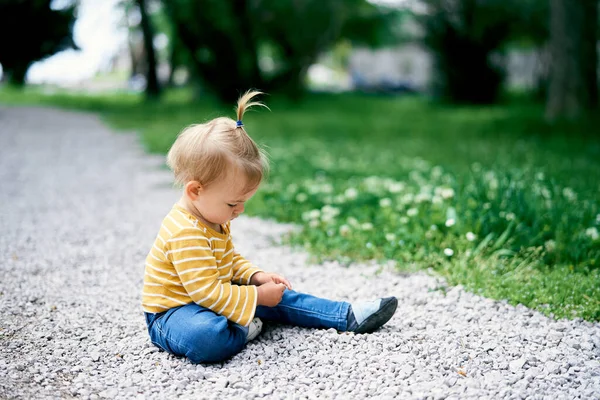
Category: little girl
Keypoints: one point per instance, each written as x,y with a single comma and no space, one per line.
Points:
201,298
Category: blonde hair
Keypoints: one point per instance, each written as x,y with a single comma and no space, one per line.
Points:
208,152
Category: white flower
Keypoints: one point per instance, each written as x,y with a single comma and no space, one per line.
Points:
369,245
433,228
385,202
592,233
450,222
352,221
372,183
487,206
550,245
411,212
471,236
407,198
539,176
327,218
436,199
598,219
447,193
367,226
314,223
422,197
395,187
390,237
351,193
510,216
301,197
403,220
314,214
344,230
449,252
493,183
313,188
436,171
329,210
326,188
569,193
546,193
328,213
339,199
310,215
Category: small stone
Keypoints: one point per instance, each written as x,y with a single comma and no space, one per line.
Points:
516,365
573,343
241,385
552,367
554,336
488,346
402,358
493,378
221,383
267,390
450,380
533,372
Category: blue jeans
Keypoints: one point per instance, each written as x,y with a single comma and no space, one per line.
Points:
201,335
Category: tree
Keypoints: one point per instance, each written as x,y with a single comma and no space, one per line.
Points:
228,41
31,31
152,85
467,38
573,89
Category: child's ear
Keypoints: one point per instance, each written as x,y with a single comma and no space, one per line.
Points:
192,189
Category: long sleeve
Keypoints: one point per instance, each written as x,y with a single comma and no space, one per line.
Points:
207,283
242,269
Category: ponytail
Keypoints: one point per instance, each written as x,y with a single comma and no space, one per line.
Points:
244,103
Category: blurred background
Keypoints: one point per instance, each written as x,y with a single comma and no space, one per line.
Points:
460,50
455,136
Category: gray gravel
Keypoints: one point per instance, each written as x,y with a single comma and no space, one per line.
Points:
80,207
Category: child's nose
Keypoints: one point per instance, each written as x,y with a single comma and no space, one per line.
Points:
240,208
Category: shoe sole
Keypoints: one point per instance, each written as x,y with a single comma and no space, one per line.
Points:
379,318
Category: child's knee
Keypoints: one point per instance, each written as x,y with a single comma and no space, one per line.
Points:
216,345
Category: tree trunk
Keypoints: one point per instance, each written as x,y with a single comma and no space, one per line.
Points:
134,61
590,50
16,75
152,87
573,84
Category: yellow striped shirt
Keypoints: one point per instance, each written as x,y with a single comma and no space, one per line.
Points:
191,262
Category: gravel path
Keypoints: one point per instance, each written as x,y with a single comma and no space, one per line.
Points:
80,207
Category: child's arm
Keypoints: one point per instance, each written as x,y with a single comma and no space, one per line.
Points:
243,270
251,275
196,266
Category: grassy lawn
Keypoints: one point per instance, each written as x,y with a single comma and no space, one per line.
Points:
488,197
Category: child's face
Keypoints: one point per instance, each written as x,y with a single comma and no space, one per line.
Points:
223,200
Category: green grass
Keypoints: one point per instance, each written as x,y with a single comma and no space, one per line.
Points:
489,197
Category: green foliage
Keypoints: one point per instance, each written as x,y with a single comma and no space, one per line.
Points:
489,197
468,38
269,44
31,31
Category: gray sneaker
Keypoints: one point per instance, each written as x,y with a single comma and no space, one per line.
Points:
386,310
254,329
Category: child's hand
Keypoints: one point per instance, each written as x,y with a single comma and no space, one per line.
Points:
260,278
270,294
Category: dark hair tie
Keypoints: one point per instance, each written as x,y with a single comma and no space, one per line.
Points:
239,124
